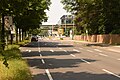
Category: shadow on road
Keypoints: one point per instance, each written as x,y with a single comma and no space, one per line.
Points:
53,63
79,76
46,44
98,44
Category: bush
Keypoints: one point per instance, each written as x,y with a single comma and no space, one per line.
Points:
17,68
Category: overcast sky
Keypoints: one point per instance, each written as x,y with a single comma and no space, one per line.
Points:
55,12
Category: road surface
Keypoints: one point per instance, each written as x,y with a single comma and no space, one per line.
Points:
51,59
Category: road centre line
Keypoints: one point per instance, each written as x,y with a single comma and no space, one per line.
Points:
111,73
85,61
76,50
48,74
72,55
97,50
51,50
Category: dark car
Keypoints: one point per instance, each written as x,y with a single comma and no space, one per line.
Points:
34,38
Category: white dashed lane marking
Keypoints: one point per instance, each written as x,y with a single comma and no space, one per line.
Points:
118,59
72,55
76,50
114,50
60,48
51,50
109,72
85,61
64,50
97,50
29,50
80,48
89,51
103,54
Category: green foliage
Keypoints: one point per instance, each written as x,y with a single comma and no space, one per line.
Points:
96,16
18,70
13,67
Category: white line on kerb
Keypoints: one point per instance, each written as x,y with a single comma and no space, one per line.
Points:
89,51
51,50
76,50
103,54
49,75
111,73
97,50
72,55
85,61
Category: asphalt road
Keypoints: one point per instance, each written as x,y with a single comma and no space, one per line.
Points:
67,60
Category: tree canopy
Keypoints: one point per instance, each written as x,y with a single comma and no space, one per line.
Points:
26,13
95,16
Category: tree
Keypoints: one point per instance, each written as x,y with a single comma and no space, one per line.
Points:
96,16
26,14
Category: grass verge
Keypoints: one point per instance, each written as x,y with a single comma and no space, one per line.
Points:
18,68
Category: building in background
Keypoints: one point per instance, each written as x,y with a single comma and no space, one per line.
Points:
66,22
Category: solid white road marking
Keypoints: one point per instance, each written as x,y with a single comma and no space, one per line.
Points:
85,61
51,50
72,55
76,50
111,73
97,50
103,54
89,51
48,74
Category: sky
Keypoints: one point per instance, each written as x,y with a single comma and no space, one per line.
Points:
55,12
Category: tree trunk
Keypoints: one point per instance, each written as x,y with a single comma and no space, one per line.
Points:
3,33
17,35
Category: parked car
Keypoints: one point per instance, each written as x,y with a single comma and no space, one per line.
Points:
34,38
